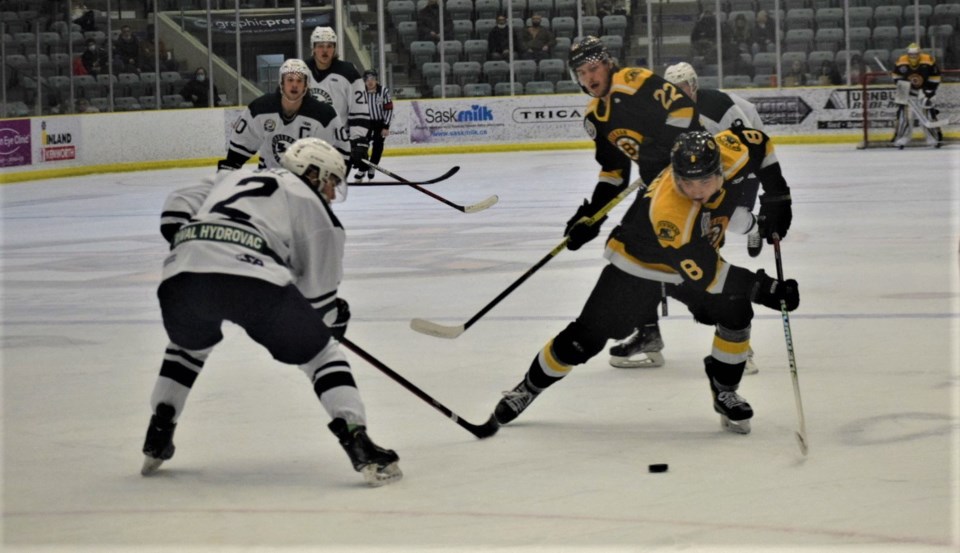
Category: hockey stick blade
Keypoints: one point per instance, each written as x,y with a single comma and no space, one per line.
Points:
424,326
480,206
481,431
451,172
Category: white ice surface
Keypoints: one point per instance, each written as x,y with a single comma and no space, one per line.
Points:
874,246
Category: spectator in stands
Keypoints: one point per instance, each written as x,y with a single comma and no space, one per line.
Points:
763,33
742,34
703,38
83,16
428,22
148,57
536,40
126,51
857,69
94,58
797,75
829,74
83,106
197,90
498,40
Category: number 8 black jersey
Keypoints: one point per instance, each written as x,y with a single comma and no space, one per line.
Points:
643,118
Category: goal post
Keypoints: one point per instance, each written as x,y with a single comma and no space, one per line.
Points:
879,109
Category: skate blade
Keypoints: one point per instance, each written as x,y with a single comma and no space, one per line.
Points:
736,427
150,465
649,360
750,367
377,476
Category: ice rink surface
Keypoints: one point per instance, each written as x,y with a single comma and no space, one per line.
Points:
874,246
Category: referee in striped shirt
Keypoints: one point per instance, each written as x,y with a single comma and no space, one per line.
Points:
381,112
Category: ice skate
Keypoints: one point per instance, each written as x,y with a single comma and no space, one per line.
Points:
158,445
754,243
377,465
359,176
514,402
369,175
639,351
735,413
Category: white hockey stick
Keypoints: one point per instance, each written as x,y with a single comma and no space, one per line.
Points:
479,206
801,433
919,113
424,326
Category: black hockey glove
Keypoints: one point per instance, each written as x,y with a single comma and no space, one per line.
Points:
776,213
579,233
339,326
358,154
769,292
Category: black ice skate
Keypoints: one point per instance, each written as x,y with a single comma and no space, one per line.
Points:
377,465
514,402
640,350
370,175
158,446
754,243
735,412
359,176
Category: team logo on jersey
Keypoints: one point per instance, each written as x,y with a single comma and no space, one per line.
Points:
667,231
247,258
590,128
728,141
627,141
279,144
269,125
322,95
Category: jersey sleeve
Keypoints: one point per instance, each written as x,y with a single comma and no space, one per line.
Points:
180,206
245,138
316,249
359,117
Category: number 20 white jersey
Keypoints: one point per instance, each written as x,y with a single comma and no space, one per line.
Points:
263,129
265,224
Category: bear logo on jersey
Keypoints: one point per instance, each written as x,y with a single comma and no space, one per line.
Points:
730,142
627,141
279,144
667,231
322,95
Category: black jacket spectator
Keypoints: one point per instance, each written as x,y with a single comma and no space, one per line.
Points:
197,90
428,22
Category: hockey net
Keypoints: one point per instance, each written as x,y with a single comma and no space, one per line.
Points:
877,92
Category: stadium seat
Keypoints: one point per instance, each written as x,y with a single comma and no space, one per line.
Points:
737,81
422,51
886,37
887,15
829,18
431,73
799,18
552,69
828,39
542,7
451,51
524,71
475,50
568,87
798,40
496,71
462,29
538,87
466,72
503,88
591,25
449,91
564,26
860,38
614,25
478,89
487,9
459,9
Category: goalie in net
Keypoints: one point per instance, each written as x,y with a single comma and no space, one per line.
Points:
916,77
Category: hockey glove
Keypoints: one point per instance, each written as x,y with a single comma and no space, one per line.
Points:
769,292
358,154
339,325
578,231
776,213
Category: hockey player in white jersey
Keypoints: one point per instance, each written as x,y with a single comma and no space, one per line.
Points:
338,83
264,251
274,121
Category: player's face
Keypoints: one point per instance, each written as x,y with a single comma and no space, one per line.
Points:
595,77
699,191
688,90
329,186
371,84
294,85
323,53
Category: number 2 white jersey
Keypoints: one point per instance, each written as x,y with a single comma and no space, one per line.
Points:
263,129
341,86
266,224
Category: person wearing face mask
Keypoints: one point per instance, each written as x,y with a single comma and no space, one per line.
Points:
197,90
498,40
94,58
537,40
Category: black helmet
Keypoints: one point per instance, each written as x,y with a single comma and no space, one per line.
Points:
587,50
371,73
695,155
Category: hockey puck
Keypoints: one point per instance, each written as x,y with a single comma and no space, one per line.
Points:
659,467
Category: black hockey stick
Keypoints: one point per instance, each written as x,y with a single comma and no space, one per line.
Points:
444,331
801,433
465,209
453,171
480,431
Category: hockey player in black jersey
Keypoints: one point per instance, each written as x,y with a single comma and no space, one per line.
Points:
633,117
274,121
264,250
671,235
338,83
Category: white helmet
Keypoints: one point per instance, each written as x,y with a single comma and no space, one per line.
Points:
323,34
294,65
309,153
681,73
